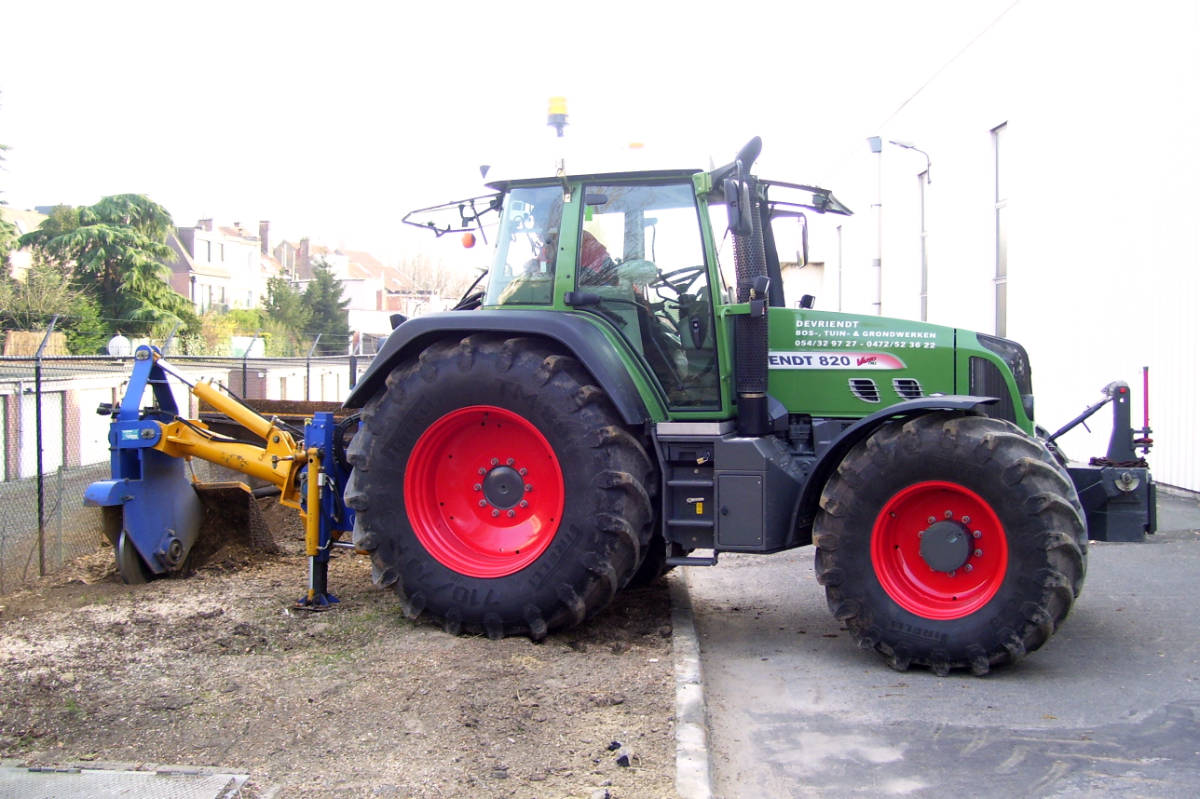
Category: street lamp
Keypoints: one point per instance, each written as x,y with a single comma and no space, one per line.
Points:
907,145
876,144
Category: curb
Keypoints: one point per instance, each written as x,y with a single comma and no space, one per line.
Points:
1175,491
693,772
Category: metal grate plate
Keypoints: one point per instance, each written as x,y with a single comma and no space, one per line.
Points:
84,783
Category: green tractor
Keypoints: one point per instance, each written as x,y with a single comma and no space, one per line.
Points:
630,393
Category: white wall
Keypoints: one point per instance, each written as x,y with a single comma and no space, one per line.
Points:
377,323
363,293
246,283
52,434
1101,107
93,428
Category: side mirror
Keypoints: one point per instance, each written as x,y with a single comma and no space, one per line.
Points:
803,240
737,204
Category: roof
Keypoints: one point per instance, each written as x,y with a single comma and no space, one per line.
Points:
269,265
364,259
25,221
238,233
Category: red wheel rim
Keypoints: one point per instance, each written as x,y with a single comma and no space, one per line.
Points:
906,574
484,491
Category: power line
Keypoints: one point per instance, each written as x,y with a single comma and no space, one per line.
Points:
850,151
946,65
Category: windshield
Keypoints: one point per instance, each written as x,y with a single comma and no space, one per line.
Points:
523,269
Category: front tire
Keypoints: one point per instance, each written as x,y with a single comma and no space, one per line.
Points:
497,490
950,541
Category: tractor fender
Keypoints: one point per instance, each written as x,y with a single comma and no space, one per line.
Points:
827,462
581,338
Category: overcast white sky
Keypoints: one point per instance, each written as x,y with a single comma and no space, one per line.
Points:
332,120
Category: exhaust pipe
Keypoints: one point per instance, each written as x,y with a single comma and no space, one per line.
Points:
750,332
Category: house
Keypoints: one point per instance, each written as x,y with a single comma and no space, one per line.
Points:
24,222
375,291
220,267
204,283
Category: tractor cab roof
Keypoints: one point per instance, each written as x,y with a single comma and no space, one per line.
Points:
595,177
461,216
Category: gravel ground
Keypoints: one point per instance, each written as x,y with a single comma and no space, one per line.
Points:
219,669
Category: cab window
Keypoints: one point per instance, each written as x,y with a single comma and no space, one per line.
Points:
641,252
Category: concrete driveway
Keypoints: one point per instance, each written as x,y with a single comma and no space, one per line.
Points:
1110,706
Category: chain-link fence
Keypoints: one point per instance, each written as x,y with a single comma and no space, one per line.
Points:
56,444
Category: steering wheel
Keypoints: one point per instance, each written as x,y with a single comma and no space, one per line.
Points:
670,287
678,280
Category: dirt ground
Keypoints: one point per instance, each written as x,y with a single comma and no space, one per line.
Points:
220,670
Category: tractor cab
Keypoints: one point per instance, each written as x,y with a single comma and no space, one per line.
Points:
645,254
632,254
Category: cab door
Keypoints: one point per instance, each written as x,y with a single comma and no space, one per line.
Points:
640,250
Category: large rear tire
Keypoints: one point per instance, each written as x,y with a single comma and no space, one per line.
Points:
654,564
950,541
497,489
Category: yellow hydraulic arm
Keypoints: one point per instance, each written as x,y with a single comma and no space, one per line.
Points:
277,463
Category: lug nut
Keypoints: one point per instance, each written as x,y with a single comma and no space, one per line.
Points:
483,503
495,461
495,513
979,553
522,471
478,486
512,513
509,462
524,503
482,470
976,534
528,488
932,520
949,514
966,520
969,568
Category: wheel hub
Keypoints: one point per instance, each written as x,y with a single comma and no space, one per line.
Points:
939,549
945,546
503,487
484,491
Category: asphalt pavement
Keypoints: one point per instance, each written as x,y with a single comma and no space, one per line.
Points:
1110,706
